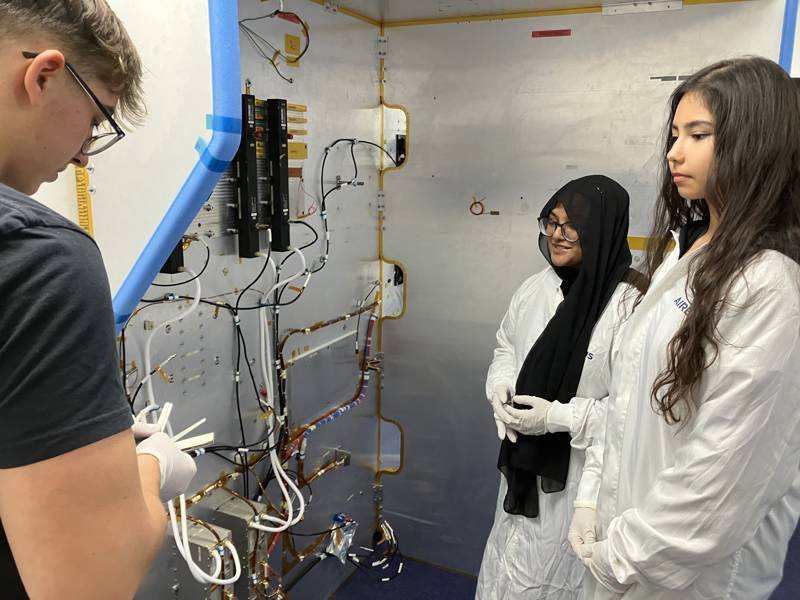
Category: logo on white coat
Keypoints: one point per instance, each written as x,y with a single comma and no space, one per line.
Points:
682,305
589,356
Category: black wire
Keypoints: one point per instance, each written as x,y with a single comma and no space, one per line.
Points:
250,370
385,151
236,386
314,231
290,532
355,162
265,439
203,270
252,283
133,398
219,455
324,195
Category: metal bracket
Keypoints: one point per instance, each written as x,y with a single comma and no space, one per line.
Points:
638,6
383,47
377,493
332,6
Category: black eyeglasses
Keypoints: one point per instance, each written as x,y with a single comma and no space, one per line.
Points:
103,139
548,228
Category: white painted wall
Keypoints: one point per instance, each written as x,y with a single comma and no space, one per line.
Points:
60,195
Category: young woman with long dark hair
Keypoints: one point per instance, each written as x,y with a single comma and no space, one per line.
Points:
700,489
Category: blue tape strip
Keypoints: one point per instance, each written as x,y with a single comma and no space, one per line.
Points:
224,124
200,145
212,163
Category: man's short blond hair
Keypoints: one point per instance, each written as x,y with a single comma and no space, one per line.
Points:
92,38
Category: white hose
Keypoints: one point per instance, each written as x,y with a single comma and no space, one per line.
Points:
280,475
182,543
149,394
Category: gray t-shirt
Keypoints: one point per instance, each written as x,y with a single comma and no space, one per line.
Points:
60,384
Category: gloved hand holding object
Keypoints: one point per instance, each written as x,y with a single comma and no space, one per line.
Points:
581,533
532,421
142,430
501,396
595,557
177,468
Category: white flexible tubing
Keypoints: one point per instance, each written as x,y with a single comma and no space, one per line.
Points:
149,394
182,543
303,272
280,474
277,467
193,566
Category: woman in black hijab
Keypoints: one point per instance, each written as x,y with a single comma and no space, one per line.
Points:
554,344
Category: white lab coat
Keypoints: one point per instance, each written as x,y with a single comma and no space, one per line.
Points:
705,512
531,558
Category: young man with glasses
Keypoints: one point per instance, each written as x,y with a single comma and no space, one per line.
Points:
81,513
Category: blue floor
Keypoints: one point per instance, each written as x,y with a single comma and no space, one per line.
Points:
789,589
416,582
423,582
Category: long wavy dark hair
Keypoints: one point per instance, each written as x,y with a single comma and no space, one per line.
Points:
754,182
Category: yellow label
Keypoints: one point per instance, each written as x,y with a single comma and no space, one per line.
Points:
298,131
291,45
296,107
639,243
297,120
636,242
84,200
298,151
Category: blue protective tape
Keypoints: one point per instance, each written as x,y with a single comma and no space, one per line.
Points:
224,124
214,158
213,164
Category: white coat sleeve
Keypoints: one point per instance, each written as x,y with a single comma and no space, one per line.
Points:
585,420
589,485
503,369
735,457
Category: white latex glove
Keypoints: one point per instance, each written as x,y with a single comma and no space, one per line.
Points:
177,468
596,560
503,393
142,431
531,421
582,530
501,396
502,420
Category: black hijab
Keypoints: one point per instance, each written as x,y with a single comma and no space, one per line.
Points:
598,208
